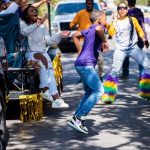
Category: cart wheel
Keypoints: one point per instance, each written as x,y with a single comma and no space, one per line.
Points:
3,133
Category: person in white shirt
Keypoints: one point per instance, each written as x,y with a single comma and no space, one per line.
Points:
126,30
38,40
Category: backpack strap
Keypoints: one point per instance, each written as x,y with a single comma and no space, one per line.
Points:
132,30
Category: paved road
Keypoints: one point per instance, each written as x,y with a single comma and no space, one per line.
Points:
124,125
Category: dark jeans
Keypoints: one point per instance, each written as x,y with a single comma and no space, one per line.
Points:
125,68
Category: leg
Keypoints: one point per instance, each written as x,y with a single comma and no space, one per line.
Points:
139,56
141,69
142,59
111,82
57,101
52,82
94,89
43,76
86,95
125,68
118,58
101,66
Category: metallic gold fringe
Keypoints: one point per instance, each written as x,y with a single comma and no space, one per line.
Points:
31,107
57,66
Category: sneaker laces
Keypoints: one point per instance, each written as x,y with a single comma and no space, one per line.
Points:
83,118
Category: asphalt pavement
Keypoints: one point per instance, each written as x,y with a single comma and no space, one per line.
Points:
124,125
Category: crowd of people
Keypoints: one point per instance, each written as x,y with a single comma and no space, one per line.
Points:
90,41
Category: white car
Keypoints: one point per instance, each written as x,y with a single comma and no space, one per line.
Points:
65,11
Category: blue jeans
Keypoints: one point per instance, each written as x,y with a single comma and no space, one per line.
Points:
135,52
93,89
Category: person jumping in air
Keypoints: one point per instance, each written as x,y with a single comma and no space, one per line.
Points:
94,40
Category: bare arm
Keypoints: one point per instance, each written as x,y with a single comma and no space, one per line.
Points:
76,40
100,33
74,22
37,4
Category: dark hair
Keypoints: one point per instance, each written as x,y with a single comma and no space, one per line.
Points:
25,16
90,0
131,2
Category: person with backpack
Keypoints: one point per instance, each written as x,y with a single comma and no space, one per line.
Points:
138,14
126,29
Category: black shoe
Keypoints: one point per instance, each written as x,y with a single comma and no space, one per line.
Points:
108,102
124,77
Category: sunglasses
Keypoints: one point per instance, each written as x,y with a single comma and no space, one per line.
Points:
122,8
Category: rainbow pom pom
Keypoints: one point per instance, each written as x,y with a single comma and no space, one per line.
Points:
110,89
145,86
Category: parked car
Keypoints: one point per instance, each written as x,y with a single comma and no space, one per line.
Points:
65,11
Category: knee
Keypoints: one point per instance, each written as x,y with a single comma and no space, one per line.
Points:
99,91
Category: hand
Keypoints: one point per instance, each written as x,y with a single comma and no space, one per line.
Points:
65,34
42,19
43,1
43,59
114,22
105,47
18,2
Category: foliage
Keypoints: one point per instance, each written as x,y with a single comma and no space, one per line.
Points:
43,8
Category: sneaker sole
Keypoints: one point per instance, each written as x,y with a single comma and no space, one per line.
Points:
72,125
76,127
60,107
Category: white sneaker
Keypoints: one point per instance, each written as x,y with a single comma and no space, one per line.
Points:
59,103
46,95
